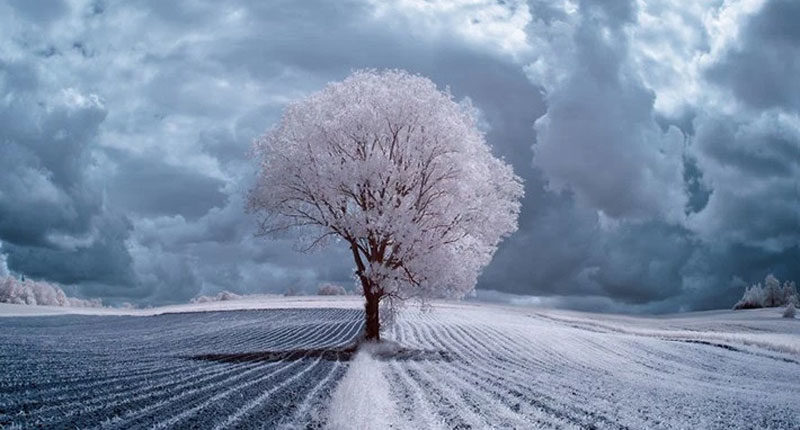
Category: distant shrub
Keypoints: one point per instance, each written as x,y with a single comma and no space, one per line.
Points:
789,311
790,294
771,294
220,297
331,290
292,291
30,292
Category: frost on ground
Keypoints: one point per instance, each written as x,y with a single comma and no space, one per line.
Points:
248,302
460,366
362,399
79,371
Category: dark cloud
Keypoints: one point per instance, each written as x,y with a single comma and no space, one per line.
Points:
101,262
44,160
52,221
697,190
756,166
762,71
599,137
625,273
750,223
551,252
759,150
149,187
603,139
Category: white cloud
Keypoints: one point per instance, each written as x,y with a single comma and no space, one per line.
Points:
499,26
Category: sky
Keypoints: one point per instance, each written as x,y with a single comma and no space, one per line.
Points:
659,141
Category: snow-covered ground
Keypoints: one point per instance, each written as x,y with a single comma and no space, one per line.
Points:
249,302
460,366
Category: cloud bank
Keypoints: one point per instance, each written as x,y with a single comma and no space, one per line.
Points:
659,141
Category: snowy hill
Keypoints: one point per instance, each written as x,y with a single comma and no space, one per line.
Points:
286,364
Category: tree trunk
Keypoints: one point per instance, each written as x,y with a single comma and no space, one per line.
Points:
372,331
372,298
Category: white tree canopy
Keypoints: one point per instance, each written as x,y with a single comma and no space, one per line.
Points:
396,168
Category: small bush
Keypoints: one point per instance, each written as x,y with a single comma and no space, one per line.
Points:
220,297
331,290
789,311
753,298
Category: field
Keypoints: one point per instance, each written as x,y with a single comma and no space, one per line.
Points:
459,366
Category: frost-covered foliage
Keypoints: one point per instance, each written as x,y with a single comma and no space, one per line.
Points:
771,294
30,292
753,298
220,297
400,172
331,290
789,311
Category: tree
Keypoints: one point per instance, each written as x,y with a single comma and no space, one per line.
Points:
399,172
752,298
790,293
773,293
30,292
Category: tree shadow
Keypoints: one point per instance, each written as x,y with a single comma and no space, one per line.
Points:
331,354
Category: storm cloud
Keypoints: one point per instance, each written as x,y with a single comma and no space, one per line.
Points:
659,142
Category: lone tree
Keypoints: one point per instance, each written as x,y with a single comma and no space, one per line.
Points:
397,170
